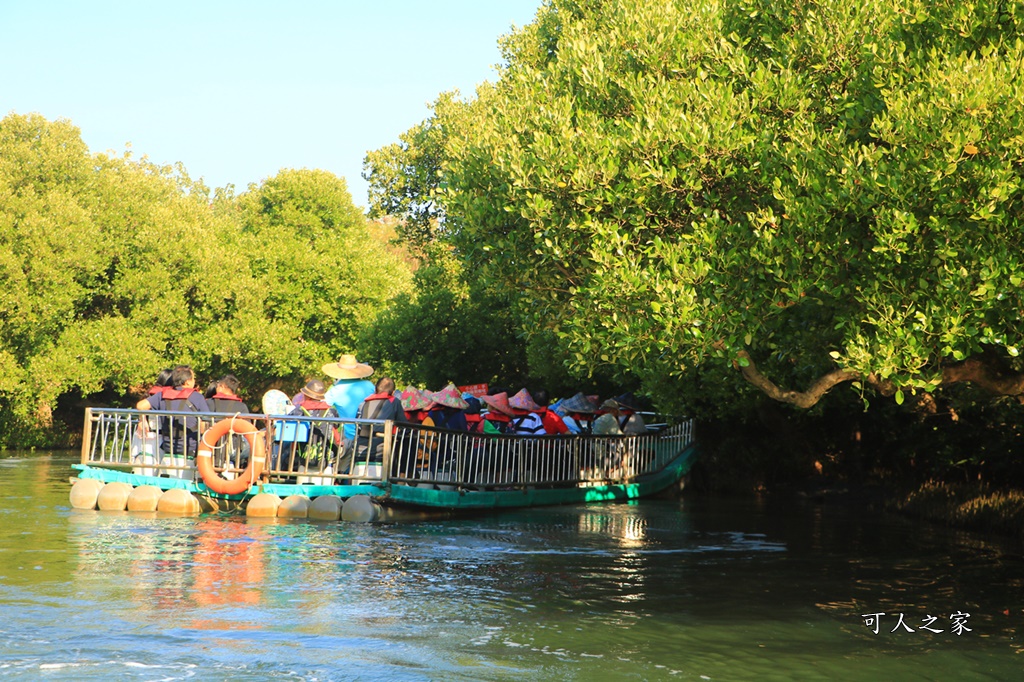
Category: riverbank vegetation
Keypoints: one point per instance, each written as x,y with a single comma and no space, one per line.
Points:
113,268
799,223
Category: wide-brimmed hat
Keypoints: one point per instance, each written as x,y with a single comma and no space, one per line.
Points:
415,399
627,401
499,402
347,368
450,396
610,404
314,389
523,401
579,403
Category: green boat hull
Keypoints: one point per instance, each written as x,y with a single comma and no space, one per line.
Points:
429,497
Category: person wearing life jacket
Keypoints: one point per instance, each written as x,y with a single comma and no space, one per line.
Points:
163,380
526,421
222,396
178,435
474,414
578,413
498,418
553,424
383,405
610,421
225,396
416,403
448,410
630,421
324,437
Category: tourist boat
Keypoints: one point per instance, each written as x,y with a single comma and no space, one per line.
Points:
358,469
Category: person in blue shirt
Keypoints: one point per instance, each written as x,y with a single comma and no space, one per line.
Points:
349,391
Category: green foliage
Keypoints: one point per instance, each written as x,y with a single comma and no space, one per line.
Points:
114,268
406,177
825,185
446,331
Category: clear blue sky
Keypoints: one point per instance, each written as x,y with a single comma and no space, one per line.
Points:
236,90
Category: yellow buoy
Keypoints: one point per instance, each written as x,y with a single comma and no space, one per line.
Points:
325,508
360,509
113,496
84,493
178,501
263,505
294,507
144,498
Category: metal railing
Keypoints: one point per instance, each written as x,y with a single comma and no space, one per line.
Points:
332,451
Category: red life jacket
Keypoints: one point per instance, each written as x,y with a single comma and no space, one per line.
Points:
171,393
475,423
553,424
310,405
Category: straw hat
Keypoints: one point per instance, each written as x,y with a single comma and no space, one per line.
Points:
449,396
579,403
499,402
523,401
414,399
609,405
347,368
314,389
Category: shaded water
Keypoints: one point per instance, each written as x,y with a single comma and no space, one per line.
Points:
687,590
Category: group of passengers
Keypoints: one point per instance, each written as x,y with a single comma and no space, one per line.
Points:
353,396
523,414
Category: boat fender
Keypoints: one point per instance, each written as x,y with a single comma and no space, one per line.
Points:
204,458
360,509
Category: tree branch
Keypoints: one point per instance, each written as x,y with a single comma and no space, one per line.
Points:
985,373
803,399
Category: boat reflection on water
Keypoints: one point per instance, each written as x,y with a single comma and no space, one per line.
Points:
627,530
229,564
163,565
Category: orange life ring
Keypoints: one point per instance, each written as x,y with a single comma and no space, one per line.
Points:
204,458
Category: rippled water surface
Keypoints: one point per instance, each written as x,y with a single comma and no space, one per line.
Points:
695,589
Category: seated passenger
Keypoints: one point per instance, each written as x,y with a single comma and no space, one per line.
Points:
178,435
631,423
608,423
221,395
323,438
553,424
526,421
163,381
499,414
474,416
381,405
447,412
417,404
225,396
349,390
578,413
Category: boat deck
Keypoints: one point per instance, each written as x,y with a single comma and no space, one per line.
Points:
395,463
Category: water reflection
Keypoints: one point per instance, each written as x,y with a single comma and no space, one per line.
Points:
657,590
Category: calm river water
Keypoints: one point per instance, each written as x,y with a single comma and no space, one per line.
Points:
695,589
